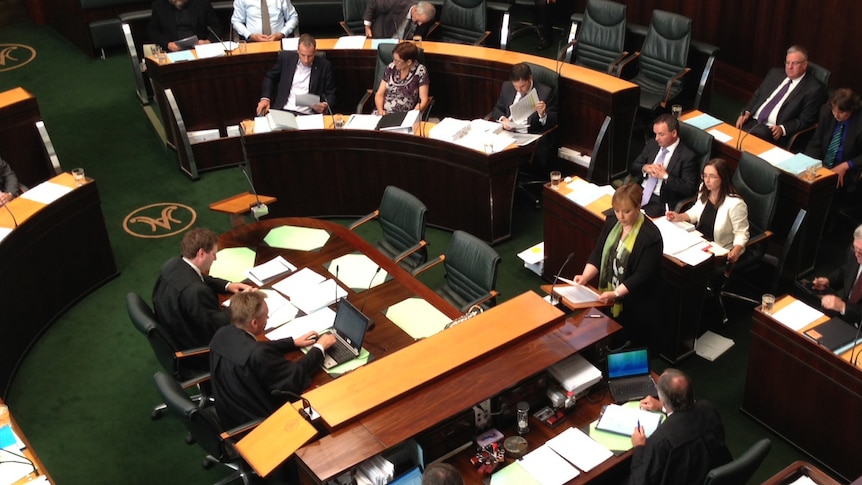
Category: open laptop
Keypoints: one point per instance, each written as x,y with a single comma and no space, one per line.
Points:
349,330
629,377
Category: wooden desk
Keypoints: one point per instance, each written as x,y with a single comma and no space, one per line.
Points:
570,228
20,141
799,469
28,452
239,205
804,392
57,255
465,84
794,194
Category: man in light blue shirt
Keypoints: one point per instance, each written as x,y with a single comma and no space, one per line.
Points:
249,19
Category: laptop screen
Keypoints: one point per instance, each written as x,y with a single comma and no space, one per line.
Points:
628,363
350,323
412,477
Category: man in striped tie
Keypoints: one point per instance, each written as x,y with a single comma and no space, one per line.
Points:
838,139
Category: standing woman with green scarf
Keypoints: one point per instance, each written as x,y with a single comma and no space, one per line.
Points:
627,261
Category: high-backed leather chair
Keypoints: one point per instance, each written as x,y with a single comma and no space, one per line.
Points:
700,143
800,139
204,426
402,220
740,470
600,38
662,60
186,367
462,22
134,27
471,272
384,58
353,11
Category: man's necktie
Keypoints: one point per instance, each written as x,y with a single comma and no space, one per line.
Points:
651,182
856,292
408,30
768,107
264,18
834,145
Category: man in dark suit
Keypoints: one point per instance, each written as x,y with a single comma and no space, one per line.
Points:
173,20
845,290
539,121
687,445
185,297
668,168
8,182
839,121
247,374
786,102
300,72
399,19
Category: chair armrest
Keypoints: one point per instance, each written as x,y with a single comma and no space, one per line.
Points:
483,299
429,265
670,85
684,204
759,238
182,354
483,38
798,134
411,250
432,29
241,429
369,93
195,381
613,66
623,63
364,219
343,25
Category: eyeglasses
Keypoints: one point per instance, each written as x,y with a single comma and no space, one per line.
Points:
794,63
400,62
709,176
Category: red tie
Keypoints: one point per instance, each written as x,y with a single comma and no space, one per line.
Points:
856,292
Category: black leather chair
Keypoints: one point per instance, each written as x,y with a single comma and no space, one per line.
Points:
384,58
800,139
134,27
700,143
353,11
471,272
740,470
402,219
187,367
462,22
600,39
757,183
204,426
662,60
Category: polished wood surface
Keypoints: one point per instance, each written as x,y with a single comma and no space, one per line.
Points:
67,240
798,469
572,229
465,84
20,142
804,392
28,452
815,196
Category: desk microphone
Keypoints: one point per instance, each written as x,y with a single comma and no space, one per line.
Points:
223,46
331,116
14,221
259,209
854,356
742,136
557,277
365,300
336,283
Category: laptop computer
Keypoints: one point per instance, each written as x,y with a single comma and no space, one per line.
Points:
349,330
629,376
411,477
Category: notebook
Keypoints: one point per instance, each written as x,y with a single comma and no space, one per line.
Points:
629,377
834,334
349,330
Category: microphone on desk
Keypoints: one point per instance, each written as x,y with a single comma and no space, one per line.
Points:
14,221
213,32
365,300
329,110
259,209
557,277
854,356
741,137
336,283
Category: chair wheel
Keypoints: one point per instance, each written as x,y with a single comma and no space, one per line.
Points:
190,440
156,414
206,464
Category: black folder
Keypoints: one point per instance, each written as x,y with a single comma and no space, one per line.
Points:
833,335
391,120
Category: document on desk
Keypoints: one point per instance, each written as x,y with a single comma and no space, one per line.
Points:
576,293
720,135
350,42
703,121
215,49
514,474
232,264
183,56
797,315
298,282
579,449
675,239
318,322
584,193
270,270
290,43
310,122
280,309
362,122
547,467
525,107
5,231
312,298
417,317
624,419
357,271
775,155
46,192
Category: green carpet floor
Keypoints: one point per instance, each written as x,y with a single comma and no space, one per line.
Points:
85,391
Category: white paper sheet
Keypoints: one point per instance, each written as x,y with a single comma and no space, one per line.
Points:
317,322
797,315
46,192
579,449
549,468
350,42
310,122
720,135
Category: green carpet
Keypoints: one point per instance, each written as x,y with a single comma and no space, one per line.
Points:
85,391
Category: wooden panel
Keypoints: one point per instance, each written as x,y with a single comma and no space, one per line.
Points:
20,143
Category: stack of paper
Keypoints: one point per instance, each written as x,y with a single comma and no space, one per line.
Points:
799,164
318,322
797,315
575,374
375,471
547,467
710,345
675,239
534,258
450,129
623,420
579,449
272,269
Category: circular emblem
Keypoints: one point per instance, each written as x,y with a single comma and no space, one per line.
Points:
159,220
13,56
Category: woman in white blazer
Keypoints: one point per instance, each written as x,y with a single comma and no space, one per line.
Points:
719,213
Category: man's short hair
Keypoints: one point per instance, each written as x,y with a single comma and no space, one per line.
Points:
799,49
197,238
441,474
427,10
857,234
308,40
670,120
244,306
844,99
675,391
520,72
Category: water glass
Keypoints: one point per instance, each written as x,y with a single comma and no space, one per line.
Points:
767,302
555,179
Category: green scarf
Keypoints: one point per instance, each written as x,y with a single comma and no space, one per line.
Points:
615,257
